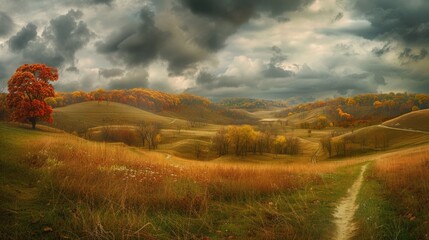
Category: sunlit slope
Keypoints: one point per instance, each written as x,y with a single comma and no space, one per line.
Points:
418,120
201,113
82,116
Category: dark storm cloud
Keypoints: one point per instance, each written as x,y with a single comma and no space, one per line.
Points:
112,72
205,78
68,34
354,84
408,55
6,24
138,44
228,15
240,11
306,83
208,81
381,51
191,32
337,17
40,52
404,20
143,43
277,72
379,79
133,79
273,69
21,39
94,2
61,39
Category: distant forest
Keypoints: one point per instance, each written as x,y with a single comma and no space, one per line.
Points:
252,104
365,109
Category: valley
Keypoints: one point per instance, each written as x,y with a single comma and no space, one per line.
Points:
92,174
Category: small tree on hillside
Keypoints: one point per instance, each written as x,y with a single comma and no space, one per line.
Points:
28,88
221,142
280,144
150,133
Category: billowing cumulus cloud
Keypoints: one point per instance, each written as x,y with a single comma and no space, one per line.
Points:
135,44
67,34
407,21
21,39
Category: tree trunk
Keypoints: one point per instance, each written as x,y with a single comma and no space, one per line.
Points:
33,123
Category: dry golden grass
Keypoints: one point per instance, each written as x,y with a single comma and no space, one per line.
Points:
416,120
105,191
99,172
82,116
406,176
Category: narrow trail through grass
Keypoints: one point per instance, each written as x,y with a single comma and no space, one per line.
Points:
346,209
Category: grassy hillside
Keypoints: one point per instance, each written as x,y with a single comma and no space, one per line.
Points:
185,106
400,135
307,116
417,120
394,138
375,138
211,115
82,116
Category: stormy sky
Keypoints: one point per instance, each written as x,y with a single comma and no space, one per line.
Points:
273,49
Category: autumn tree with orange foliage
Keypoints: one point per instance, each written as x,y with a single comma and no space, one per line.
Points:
28,87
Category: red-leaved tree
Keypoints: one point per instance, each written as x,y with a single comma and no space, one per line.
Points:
28,88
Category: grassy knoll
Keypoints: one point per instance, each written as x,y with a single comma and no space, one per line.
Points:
55,185
417,120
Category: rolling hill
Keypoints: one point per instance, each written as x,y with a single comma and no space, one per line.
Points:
404,131
80,117
417,120
361,110
184,105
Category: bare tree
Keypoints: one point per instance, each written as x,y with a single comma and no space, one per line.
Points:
150,134
220,142
293,146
